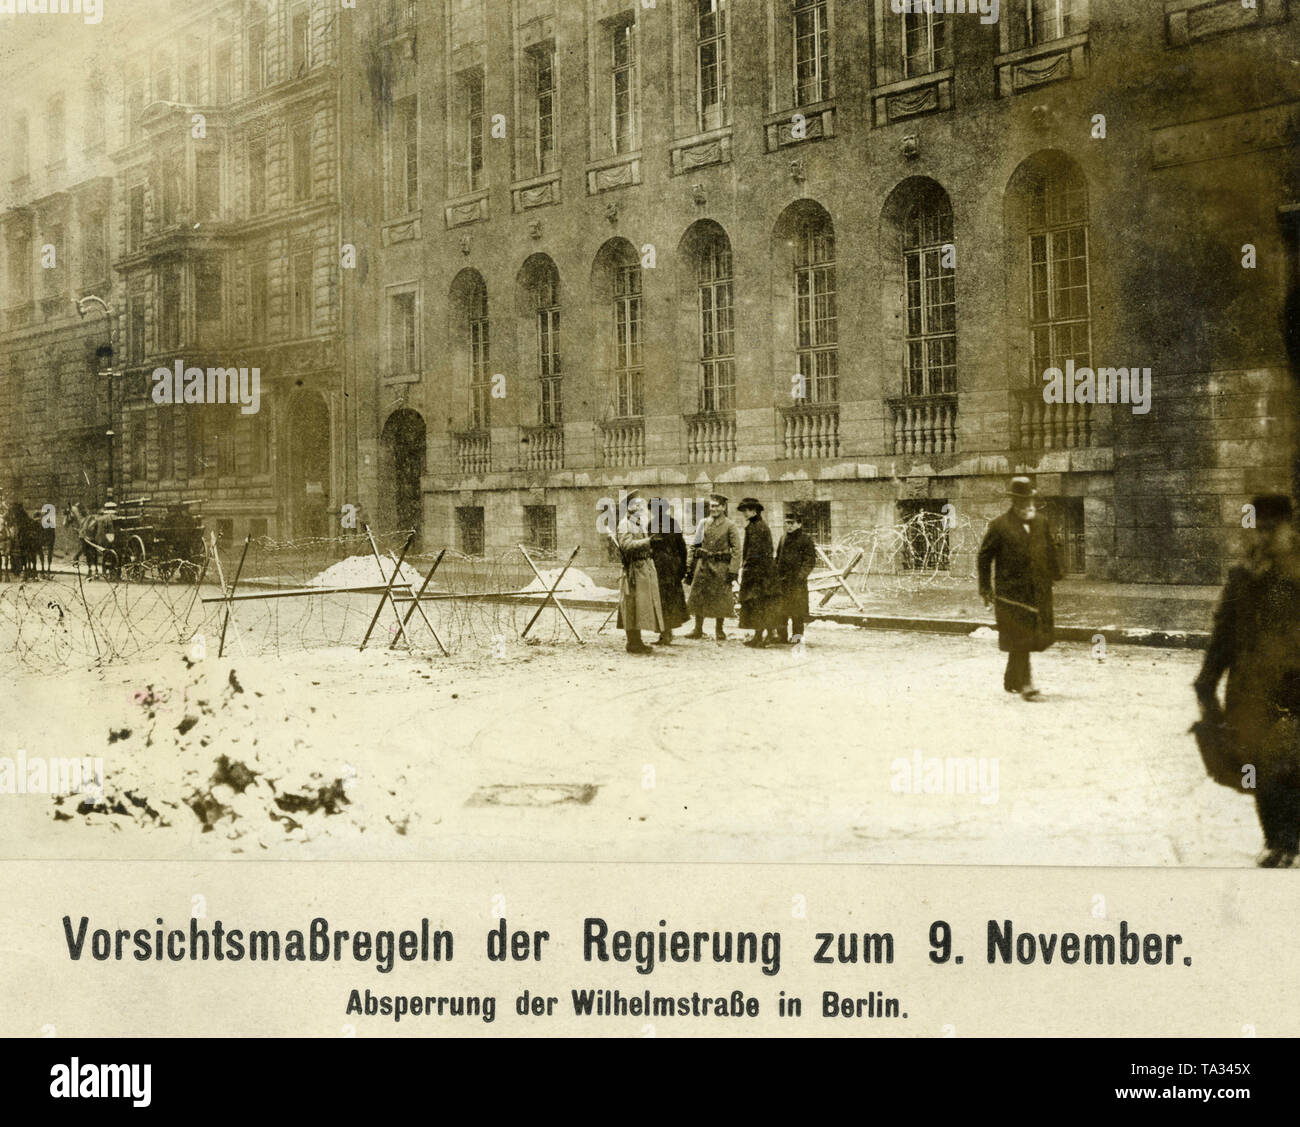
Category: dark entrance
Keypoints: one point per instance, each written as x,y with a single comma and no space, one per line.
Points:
401,465
309,466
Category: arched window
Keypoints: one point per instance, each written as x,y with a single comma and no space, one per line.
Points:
816,316
929,266
1060,308
717,325
543,283
478,334
629,395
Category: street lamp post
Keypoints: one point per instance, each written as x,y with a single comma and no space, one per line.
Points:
107,371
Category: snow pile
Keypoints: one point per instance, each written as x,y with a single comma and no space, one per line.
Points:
363,571
984,632
577,584
209,752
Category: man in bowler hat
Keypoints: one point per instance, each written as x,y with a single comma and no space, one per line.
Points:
757,574
1256,641
1017,566
796,556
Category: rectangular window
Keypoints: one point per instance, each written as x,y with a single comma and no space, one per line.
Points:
257,176
259,446
712,62
300,31
256,70
172,186
540,523
221,70
20,267
403,357
812,60
480,362
623,88
544,109
134,111
138,444
190,82
94,248
628,372
162,83
207,185
1053,19
302,293
257,528
258,298
135,222
222,440
717,328
404,158
1060,316
925,43
926,544
208,304
135,341
931,303
196,459
54,279
817,522
548,354
1065,519
469,530
302,186
469,86
816,313
169,336
95,113
166,443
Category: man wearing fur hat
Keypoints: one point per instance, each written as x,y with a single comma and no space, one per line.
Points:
712,568
1017,566
639,607
1256,641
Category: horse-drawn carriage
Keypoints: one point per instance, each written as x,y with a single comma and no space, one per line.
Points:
142,539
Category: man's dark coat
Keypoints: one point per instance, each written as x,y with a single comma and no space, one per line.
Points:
1019,568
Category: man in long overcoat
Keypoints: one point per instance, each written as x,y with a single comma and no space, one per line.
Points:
1256,641
638,590
712,567
757,574
668,550
1017,566
796,556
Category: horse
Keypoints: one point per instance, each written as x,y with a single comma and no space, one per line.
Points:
28,537
96,532
8,546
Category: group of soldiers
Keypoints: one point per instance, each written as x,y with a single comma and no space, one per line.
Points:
722,566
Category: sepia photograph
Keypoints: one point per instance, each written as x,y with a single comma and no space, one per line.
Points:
787,431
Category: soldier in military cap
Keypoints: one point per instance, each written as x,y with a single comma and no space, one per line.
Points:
1256,641
639,607
712,568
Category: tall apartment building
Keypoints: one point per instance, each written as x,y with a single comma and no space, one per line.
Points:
215,210
824,251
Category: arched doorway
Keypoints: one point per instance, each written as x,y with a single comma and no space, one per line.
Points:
401,465
309,466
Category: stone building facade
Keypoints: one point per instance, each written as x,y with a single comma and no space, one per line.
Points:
820,251
496,260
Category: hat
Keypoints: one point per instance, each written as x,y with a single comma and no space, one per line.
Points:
749,503
632,495
717,498
794,511
1021,487
110,505
1271,508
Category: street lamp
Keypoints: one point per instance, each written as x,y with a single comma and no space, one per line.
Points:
104,354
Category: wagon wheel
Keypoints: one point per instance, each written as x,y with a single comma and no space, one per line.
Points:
134,568
110,565
195,561
166,569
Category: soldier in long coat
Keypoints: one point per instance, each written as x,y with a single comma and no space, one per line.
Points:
638,589
1017,566
796,556
1256,641
668,550
712,567
757,574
